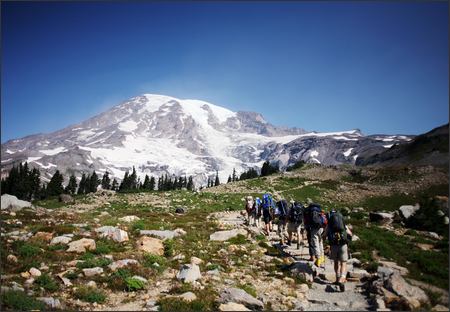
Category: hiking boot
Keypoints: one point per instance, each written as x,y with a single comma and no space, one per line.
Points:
289,243
298,246
341,287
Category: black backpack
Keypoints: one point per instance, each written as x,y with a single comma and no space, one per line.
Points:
282,206
296,213
337,233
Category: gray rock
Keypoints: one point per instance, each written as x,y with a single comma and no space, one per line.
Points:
226,235
238,295
406,211
166,234
92,271
51,302
181,210
140,278
303,270
81,245
129,219
121,263
189,273
13,203
66,199
412,294
381,217
113,233
64,240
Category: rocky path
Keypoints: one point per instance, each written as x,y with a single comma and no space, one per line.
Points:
322,295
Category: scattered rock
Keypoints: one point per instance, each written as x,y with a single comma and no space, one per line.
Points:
195,260
188,296
439,308
25,274
432,235
412,294
92,271
45,236
113,233
11,259
129,219
303,270
189,273
13,203
121,263
181,210
166,234
179,257
406,211
358,273
233,306
35,272
150,245
226,235
82,245
238,295
64,240
425,246
51,302
381,217
65,280
393,266
66,199
91,284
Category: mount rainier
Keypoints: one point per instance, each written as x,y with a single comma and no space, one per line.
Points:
160,134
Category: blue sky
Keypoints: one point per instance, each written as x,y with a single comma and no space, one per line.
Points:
378,66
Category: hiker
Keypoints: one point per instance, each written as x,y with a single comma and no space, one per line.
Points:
317,220
248,207
256,212
295,221
281,213
267,206
338,235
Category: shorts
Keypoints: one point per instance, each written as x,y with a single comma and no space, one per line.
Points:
339,253
267,218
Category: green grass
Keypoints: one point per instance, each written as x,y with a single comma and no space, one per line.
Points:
238,240
26,250
19,301
206,301
47,282
427,266
94,262
168,247
134,284
50,203
150,260
249,288
90,294
106,246
387,203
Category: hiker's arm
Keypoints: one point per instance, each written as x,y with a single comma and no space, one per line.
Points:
349,232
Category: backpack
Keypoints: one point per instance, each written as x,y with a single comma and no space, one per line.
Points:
267,202
296,213
249,204
280,209
318,218
337,233
257,206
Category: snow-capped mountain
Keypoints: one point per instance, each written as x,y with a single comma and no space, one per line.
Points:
160,134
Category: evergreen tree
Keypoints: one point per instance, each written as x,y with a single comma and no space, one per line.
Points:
114,185
190,184
133,180
94,182
234,177
124,185
82,185
146,184
72,186
229,179
55,187
217,182
43,192
106,181
151,186
35,182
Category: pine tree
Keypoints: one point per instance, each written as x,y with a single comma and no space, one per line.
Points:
114,185
93,182
72,186
133,180
55,187
190,184
106,181
124,185
146,184
82,185
229,179
35,183
234,177
217,182
151,186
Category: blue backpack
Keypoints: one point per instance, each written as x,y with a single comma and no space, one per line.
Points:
267,201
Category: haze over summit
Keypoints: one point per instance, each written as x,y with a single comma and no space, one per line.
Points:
379,67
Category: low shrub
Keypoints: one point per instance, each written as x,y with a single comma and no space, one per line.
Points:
47,282
168,247
90,294
238,240
156,262
134,284
19,301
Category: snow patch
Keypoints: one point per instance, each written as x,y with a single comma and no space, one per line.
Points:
128,126
354,157
54,151
388,146
30,159
9,152
348,152
314,153
45,166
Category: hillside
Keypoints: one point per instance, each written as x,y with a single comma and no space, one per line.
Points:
430,148
271,277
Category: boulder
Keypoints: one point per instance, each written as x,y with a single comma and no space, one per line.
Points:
189,273
302,269
66,199
233,306
129,219
13,203
82,245
195,260
64,240
150,245
166,234
92,271
432,235
35,272
45,236
113,233
11,259
226,235
413,295
238,295
51,302
91,284
392,266
406,211
381,217
121,263
181,210
140,278
188,296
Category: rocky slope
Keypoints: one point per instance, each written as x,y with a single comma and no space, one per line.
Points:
161,134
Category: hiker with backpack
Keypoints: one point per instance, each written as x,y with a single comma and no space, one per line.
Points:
267,207
248,207
256,212
338,235
317,220
295,220
281,214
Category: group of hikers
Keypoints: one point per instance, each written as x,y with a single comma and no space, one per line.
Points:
298,219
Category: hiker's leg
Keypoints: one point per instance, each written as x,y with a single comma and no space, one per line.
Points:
343,258
343,271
